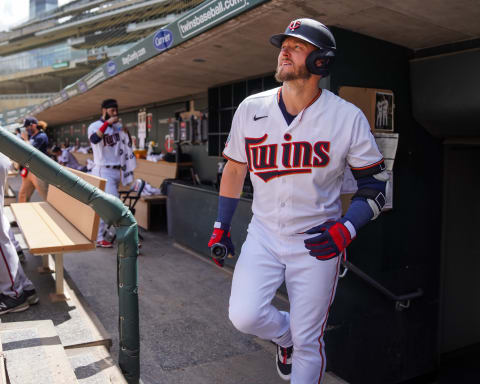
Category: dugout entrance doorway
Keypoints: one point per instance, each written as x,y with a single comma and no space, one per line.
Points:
459,331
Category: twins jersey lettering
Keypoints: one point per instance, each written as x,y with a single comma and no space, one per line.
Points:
297,170
107,151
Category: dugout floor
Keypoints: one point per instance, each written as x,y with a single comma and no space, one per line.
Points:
186,336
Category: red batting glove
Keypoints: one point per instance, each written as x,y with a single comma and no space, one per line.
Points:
223,237
332,241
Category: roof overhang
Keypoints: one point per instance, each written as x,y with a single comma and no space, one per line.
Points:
239,48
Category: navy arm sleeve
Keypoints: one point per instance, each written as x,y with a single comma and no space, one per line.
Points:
360,213
94,138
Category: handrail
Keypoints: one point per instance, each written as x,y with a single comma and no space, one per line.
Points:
401,301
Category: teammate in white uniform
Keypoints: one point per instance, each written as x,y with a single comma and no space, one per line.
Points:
104,136
295,141
385,112
66,158
17,292
379,120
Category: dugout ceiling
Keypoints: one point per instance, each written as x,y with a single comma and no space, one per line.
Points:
239,48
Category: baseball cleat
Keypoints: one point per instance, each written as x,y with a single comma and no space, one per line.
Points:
284,362
12,304
104,244
21,256
31,295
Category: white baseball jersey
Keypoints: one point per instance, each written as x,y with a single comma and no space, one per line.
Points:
107,151
297,170
67,159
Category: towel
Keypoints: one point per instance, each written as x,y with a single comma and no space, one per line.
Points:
128,161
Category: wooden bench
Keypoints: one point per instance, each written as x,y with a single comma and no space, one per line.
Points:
60,224
154,173
82,157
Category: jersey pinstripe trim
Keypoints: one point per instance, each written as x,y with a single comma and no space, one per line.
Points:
279,93
368,170
12,280
367,166
320,339
235,161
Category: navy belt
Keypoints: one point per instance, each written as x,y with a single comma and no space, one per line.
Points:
113,166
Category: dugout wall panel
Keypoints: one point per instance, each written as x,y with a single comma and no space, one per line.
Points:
460,288
367,341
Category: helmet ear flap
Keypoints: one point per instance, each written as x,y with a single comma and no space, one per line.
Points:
320,54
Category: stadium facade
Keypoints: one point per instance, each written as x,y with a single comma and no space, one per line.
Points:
58,45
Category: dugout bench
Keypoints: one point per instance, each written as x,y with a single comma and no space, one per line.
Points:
154,173
60,224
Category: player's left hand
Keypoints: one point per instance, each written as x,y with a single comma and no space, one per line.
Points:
333,239
222,236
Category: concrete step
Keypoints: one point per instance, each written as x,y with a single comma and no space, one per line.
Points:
94,365
34,353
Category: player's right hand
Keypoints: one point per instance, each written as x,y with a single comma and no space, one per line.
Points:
112,120
333,239
222,236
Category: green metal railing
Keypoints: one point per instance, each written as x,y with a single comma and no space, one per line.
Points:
113,212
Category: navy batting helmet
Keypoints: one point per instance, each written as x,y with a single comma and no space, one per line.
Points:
314,33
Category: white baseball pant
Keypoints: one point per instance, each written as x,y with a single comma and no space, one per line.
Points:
266,261
12,278
113,180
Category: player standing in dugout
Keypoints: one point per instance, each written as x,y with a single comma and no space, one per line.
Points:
295,141
104,136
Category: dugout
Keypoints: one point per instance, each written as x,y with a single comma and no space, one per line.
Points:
426,241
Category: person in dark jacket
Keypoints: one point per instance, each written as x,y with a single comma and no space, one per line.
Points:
38,138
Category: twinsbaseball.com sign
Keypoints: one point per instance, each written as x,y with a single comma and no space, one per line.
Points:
209,14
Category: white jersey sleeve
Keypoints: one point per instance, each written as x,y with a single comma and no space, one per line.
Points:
63,158
235,145
363,152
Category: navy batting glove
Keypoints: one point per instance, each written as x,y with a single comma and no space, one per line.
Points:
333,239
221,235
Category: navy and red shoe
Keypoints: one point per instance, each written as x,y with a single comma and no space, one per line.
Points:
284,362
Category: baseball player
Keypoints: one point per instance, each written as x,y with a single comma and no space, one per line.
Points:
17,292
379,119
385,112
66,158
38,138
295,141
104,136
